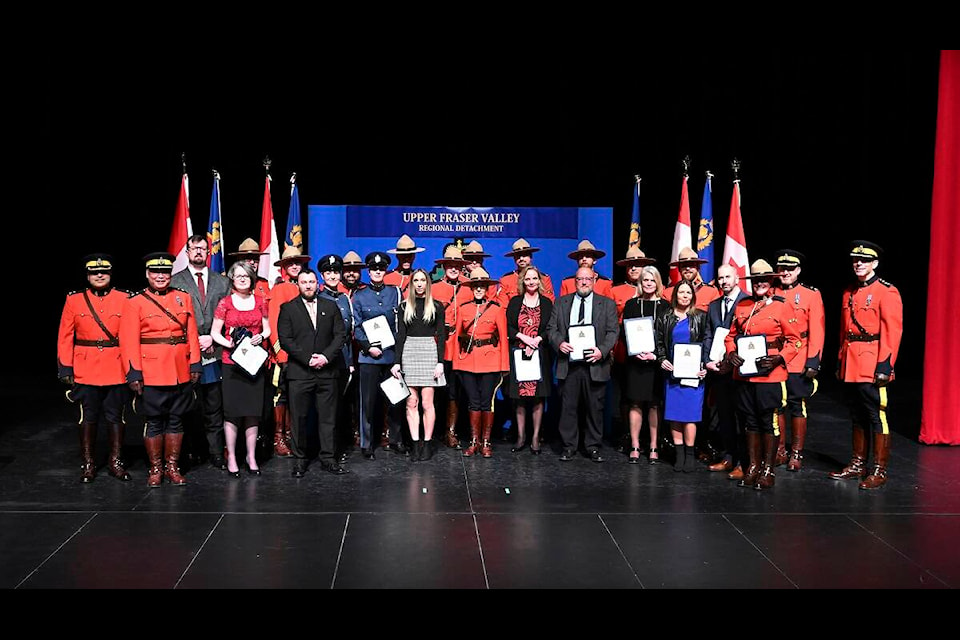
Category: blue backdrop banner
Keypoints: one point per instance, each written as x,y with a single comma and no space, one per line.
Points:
475,222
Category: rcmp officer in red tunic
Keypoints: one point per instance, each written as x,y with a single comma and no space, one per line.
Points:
88,360
290,263
802,371
161,359
406,251
871,326
689,264
587,255
761,396
522,254
249,250
445,291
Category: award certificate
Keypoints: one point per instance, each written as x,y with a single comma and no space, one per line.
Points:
249,357
750,348
686,360
582,338
378,332
639,335
527,369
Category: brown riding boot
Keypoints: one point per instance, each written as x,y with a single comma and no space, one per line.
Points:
857,467
782,455
881,456
474,447
154,446
115,466
280,448
171,446
766,478
799,429
486,449
88,436
451,438
385,434
756,464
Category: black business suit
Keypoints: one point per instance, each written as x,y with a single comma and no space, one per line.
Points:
306,384
580,381
721,387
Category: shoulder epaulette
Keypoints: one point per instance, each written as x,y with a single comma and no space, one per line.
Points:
73,293
134,294
803,284
779,298
179,289
884,282
506,274
126,292
492,302
600,277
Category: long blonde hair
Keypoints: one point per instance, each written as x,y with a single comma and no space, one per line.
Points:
656,276
523,274
410,302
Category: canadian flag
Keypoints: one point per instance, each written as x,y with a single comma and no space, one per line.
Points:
182,229
682,237
268,241
735,245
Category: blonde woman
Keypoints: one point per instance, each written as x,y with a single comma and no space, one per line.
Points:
421,338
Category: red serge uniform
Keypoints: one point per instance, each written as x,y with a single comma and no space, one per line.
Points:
622,293
510,286
603,286
772,318
706,293
445,293
870,343
396,279
808,315
156,349
486,348
84,350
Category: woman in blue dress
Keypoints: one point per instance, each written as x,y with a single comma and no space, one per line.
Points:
683,323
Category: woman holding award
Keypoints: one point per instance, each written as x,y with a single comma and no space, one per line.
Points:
680,333
421,338
482,357
241,314
643,382
528,313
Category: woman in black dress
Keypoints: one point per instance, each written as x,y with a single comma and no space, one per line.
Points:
528,313
643,387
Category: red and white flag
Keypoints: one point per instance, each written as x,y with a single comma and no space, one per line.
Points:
182,229
682,236
268,240
735,246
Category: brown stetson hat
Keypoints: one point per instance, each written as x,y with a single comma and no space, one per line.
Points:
520,246
687,256
586,248
291,254
635,258
405,244
249,248
480,278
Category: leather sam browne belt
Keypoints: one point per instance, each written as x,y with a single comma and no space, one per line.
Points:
862,337
465,344
102,343
180,339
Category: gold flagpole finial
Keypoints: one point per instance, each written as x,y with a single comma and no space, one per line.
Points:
183,160
735,166
686,166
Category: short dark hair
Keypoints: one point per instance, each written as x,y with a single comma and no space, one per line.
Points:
306,270
197,238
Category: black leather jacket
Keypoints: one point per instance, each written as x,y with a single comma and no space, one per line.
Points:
699,331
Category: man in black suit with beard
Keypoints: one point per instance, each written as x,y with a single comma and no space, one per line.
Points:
311,331
720,381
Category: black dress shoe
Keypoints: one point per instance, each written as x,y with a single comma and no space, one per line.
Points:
368,454
398,448
595,455
218,462
568,454
335,469
299,468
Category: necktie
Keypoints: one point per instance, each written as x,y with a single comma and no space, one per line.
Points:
203,290
582,313
726,309
312,310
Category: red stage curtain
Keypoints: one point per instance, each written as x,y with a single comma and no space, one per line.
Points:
940,416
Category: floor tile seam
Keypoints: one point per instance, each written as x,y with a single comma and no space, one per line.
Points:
898,552
483,562
760,551
343,538
199,551
623,555
57,550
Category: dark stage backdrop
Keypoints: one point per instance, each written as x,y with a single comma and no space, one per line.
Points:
834,146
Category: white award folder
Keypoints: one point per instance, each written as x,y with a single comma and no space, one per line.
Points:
378,332
527,369
686,360
750,348
639,335
249,357
395,389
582,338
719,349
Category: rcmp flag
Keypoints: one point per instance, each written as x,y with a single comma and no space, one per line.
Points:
294,237
215,229
705,235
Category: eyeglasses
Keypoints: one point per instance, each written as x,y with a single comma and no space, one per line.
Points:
200,249
590,279
241,276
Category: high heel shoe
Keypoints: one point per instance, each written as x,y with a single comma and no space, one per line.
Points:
652,460
253,472
518,448
234,474
536,451
631,459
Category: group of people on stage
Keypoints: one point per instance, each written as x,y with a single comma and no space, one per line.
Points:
223,355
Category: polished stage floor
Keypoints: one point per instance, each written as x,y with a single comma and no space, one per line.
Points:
513,521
